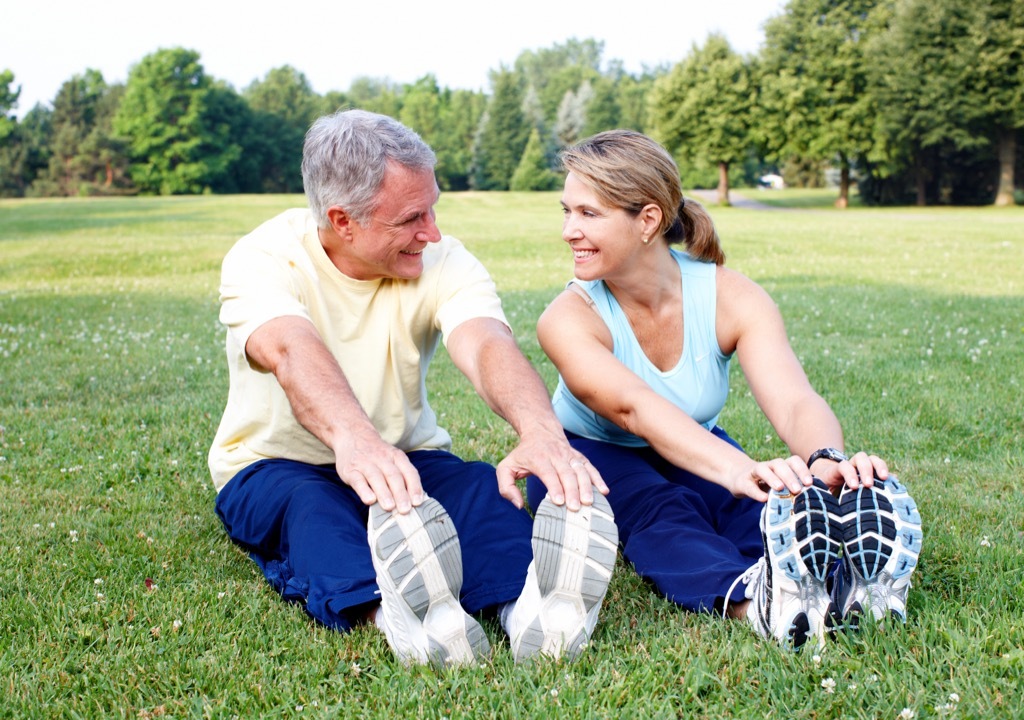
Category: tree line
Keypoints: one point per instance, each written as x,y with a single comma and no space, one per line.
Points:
910,101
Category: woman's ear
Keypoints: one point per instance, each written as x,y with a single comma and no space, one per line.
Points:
650,220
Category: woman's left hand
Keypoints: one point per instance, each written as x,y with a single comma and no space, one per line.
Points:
860,470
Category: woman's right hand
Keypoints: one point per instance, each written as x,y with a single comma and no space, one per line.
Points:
755,479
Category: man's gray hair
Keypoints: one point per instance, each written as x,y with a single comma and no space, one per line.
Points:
344,158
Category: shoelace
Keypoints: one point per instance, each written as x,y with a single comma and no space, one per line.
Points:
746,577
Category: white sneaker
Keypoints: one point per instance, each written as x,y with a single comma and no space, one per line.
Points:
882,542
787,587
573,556
419,571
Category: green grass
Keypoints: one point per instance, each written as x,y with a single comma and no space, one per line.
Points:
120,595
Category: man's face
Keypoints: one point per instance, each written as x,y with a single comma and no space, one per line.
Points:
391,243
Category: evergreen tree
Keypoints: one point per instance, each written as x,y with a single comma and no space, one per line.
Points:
8,102
460,114
503,134
25,152
533,172
72,167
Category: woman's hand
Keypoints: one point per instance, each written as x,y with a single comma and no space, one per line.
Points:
755,479
860,469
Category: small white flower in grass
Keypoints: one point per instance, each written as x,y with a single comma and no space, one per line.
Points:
954,698
984,541
298,708
356,669
176,625
73,534
828,685
97,581
100,596
907,714
816,659
220,595
554,692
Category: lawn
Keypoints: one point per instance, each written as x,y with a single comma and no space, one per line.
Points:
120,595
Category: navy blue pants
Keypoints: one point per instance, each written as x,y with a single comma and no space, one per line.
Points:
307,532
689,537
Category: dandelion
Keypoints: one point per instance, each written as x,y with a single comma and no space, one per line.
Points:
907,714
828,685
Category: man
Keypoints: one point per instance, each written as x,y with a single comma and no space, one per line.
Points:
333,315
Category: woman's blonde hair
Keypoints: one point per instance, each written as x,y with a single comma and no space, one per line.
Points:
629,170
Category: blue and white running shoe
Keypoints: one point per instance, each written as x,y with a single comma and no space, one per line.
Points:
802,539
882,542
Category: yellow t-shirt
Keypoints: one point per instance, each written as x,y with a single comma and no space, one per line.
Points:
383,333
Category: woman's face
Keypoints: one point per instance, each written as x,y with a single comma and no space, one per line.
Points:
602,238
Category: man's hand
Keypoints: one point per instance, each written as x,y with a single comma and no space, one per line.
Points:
377,471
567,474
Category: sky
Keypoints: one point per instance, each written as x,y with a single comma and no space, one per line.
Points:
46,42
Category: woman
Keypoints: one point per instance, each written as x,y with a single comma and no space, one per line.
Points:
642,339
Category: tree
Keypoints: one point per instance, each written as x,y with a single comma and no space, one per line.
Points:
533,172
950,80
503,134
701,109
73,166
284,106
8,101
556,70
815,83
460,114
572,115
174,146
25,152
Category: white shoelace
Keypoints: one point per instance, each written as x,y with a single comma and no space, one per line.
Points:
746,577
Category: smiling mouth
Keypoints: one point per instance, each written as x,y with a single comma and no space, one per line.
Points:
583,254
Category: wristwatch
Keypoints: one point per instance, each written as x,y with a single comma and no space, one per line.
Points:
827,453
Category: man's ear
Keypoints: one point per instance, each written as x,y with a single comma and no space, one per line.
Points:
341,222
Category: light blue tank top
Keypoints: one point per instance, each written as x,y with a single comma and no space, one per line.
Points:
698,384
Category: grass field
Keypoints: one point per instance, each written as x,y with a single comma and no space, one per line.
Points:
120,595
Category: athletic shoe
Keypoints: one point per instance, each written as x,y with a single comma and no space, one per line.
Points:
882,538
573,557
787,587
419,571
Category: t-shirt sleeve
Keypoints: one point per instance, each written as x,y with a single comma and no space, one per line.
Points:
256,287
465,291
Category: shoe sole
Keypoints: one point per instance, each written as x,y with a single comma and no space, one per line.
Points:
803,542
574,554
420,556
882,537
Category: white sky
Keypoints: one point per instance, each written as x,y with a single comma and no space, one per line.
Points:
46,42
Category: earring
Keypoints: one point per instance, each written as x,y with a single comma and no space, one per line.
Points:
646,240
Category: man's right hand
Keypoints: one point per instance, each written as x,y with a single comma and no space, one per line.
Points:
377,471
